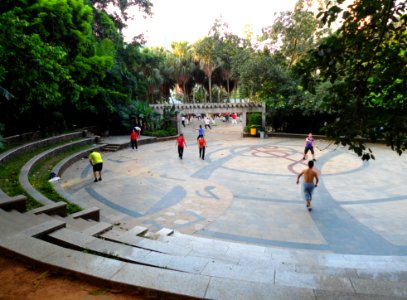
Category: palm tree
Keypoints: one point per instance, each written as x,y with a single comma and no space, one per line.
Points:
183,66
207,52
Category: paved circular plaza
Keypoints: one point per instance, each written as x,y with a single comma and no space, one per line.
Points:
245,191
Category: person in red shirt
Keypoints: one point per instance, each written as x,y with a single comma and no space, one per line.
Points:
181,144
202,145
133,139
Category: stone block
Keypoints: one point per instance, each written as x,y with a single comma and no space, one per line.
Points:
97,228
16,202
224,288
378,287
90,213
44,228
27,246
178,283
55,208
217,268
314,281
84,263
180,263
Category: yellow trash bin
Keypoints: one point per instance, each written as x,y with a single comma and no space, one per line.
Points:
253,131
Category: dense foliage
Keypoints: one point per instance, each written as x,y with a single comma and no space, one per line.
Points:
359,75
64,63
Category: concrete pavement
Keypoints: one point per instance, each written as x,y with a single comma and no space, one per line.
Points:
245,191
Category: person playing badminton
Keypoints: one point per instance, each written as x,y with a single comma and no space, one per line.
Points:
309,146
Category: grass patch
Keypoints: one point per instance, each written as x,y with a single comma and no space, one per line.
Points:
9,182
10,171
40,173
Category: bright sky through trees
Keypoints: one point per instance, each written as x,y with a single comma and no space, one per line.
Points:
178,20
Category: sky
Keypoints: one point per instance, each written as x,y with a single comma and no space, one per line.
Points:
190,20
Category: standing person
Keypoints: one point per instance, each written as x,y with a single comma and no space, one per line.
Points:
181,144
133,139
96,161
200,132
138,130
234,119
309,146
308,185
202,146
207,123
183,120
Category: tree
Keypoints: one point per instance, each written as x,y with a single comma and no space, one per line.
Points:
182,65
41,43
366,66
207,53
293,33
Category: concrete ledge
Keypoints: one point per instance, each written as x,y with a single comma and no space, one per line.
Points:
16,202
90,213
68,161
8,155
156,282
23,178
54,208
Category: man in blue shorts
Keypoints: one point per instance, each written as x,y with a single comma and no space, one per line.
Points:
308,185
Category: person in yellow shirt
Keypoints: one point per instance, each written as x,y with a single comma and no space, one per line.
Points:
96,161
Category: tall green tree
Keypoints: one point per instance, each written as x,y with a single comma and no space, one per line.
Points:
294,33
44,43
183,66
207,51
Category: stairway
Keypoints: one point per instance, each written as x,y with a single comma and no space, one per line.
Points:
112,147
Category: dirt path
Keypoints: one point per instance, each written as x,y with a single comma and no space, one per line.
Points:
19,280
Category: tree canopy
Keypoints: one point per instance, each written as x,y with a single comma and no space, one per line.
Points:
341,72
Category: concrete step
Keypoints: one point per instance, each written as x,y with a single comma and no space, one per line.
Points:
98,228
111,148
128,253
89,227
123,237
300,259
15,202
151,279
266,274
16,221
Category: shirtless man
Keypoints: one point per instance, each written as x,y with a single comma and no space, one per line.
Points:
309,176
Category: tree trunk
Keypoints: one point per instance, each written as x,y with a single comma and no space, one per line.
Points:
210,86
228,89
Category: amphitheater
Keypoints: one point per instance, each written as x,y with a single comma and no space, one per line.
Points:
232,226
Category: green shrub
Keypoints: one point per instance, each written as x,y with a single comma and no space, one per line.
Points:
162,132
255,119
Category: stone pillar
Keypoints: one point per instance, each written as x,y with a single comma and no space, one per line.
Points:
263,116
244,117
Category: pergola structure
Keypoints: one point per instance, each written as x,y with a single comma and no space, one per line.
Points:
216,108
